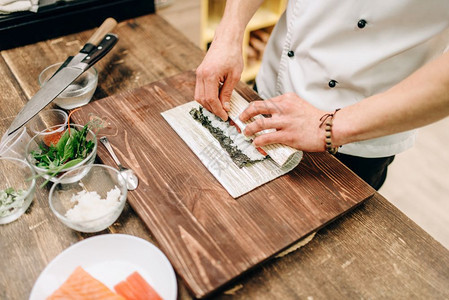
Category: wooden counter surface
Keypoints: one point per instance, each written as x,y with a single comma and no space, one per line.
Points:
372,252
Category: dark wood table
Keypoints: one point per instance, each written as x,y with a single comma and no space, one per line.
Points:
375,251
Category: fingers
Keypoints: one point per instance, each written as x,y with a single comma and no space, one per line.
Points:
267,107
206,93
263,124
200,96
199,93
276,137
211,92
226,91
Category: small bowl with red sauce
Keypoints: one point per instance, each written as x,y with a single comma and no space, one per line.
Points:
53,152
15,144
48,118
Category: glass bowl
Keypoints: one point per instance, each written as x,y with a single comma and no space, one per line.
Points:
41,142
15,144
17,186
93,202
78,93
48,118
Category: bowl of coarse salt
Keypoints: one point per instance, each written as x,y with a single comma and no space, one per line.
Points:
93,202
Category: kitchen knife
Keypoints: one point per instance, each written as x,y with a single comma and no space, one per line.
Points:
60,81
107,26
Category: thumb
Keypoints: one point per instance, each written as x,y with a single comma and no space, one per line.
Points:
226,92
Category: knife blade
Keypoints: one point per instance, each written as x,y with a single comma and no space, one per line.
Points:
60,81
107,26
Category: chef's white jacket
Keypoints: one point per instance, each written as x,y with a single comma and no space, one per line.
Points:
336,53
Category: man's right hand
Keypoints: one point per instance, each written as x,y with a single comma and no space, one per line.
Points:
217,76
223,63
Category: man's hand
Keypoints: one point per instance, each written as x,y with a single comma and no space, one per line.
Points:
222,65
297,123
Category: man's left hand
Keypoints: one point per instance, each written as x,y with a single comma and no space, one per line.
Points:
297,123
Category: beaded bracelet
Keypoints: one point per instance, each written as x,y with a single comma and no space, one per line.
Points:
327,119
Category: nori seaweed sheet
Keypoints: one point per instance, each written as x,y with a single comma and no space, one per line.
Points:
237,156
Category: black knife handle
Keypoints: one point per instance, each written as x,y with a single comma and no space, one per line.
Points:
88,47
101,50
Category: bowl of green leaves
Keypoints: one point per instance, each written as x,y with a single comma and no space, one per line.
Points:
52,153
16,188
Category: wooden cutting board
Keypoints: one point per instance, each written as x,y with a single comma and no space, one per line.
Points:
209,237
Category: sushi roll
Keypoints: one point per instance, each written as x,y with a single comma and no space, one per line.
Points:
240,148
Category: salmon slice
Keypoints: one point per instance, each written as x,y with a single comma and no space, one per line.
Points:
82,286
124,289
261,151
136,288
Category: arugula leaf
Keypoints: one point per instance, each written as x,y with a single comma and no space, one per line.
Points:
62,142
70,150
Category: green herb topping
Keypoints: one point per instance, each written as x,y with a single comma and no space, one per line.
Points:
71,148
9,201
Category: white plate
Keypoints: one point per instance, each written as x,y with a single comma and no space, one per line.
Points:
110,258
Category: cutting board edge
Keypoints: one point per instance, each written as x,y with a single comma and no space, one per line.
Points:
228,284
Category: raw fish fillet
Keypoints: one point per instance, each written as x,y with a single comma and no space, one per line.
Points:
82,286
136,288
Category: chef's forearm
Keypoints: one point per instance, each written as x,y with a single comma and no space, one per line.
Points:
236,16
418,100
